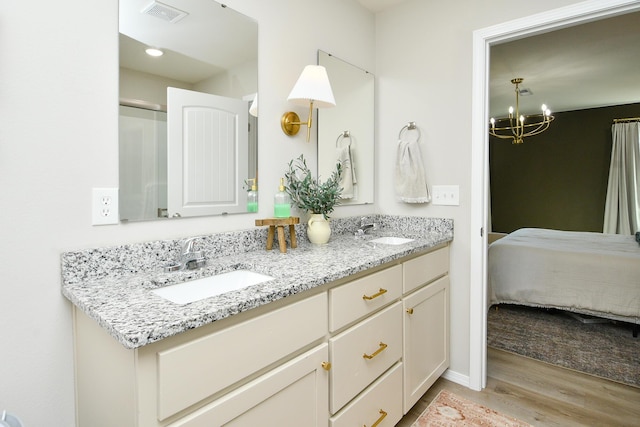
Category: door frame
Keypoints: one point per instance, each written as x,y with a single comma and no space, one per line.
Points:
579,13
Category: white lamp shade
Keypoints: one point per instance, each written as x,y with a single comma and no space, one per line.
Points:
253,109
313,85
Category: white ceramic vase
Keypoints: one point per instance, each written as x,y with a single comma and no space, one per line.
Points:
318,229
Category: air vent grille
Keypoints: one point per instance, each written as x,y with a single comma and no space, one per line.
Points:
164,12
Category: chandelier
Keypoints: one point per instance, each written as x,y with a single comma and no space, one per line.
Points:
517,127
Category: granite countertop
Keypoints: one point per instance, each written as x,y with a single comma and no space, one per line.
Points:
134,316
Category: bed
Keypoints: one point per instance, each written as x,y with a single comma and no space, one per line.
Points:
588,273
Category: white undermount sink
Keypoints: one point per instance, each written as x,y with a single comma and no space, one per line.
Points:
391,240
195,290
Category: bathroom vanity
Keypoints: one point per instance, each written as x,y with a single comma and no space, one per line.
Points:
349,333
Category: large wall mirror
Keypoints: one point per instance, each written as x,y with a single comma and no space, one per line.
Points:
188,118
346,132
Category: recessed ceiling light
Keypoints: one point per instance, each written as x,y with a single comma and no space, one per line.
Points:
152,51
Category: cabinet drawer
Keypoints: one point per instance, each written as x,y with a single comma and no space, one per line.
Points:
381,401
425,268
191,372
361,353
295,391
362,296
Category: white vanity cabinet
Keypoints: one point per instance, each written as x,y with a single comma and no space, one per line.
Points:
358,351
426,323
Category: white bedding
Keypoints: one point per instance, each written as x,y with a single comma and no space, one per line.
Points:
591,273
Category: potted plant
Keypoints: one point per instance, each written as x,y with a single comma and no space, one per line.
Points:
316,197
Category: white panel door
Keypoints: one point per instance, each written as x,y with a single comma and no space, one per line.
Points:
207,153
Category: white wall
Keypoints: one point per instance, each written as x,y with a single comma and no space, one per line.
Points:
424,72
58,139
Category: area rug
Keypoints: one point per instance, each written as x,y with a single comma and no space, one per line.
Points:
448,410
607,350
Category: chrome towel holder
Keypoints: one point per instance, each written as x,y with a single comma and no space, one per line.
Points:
346,134
408,127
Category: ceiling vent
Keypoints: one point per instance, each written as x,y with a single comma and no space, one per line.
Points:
164,12
525,92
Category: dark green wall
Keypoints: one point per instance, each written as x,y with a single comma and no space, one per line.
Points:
557,179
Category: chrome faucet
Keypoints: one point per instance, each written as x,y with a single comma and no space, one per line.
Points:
365,226
190,259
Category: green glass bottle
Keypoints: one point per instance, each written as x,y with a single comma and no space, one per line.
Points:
252,197
282,203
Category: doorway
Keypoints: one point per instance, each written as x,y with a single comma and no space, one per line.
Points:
482,41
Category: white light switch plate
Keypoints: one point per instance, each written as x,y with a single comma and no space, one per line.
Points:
104,206
446,195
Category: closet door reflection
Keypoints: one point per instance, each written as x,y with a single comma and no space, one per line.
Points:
143,163
208,149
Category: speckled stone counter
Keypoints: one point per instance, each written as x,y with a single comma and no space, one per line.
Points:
112,285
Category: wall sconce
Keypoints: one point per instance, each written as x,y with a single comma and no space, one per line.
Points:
312,87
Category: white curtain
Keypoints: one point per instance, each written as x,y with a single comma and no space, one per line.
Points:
622,208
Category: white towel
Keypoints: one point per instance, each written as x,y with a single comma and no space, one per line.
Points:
411,184
348,179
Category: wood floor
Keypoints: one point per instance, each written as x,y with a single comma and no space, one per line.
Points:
544,395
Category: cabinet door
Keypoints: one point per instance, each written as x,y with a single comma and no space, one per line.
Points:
293,394
426,339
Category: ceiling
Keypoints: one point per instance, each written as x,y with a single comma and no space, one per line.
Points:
585,66
211,38
379,5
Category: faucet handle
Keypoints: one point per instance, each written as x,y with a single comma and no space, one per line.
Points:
187,245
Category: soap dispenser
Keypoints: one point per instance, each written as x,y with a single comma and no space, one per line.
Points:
282,205
252,197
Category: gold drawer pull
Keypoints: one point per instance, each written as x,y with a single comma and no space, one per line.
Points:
377,352
410,310
382,415
376,295
326,366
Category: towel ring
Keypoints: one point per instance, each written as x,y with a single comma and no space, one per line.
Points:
345,134
409,126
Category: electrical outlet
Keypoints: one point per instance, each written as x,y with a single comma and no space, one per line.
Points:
105,206
446,195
